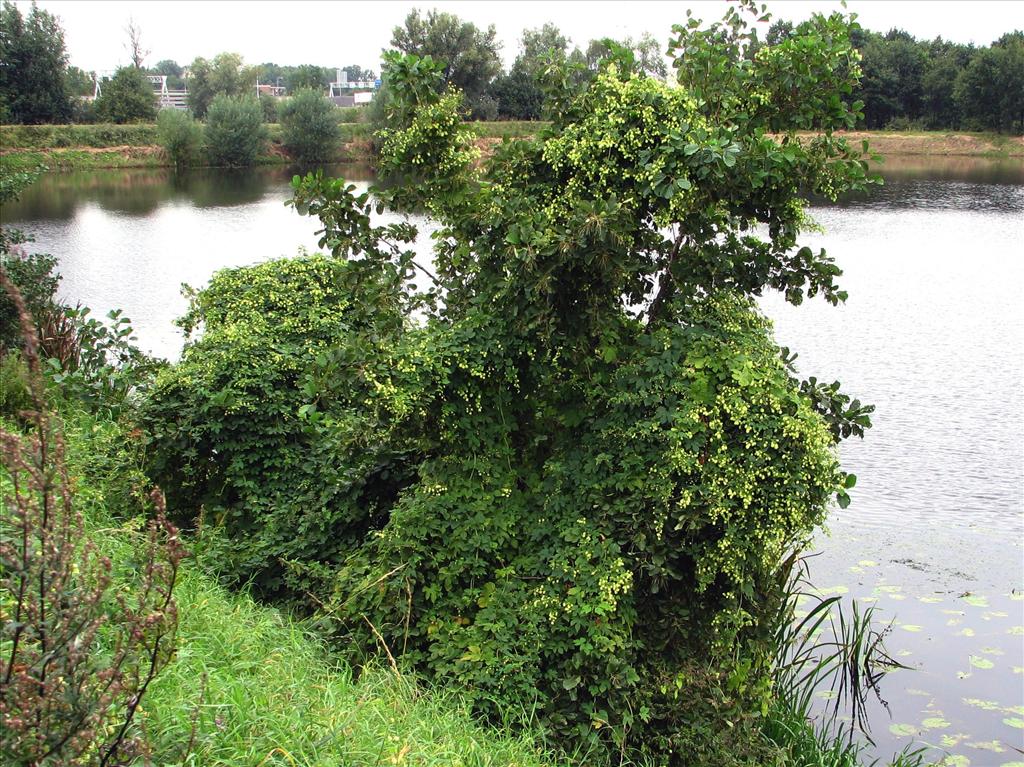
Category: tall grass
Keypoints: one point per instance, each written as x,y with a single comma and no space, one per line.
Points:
268,694
826,649
251,687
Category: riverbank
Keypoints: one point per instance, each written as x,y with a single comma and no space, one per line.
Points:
85,147
95,147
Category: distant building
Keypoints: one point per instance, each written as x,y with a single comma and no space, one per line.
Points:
166,98
348,93
269,90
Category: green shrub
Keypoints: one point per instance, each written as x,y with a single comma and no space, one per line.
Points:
231,423
14,391
180,136
575,482
126,98
235,132
270,106
34,275
351,114
309,127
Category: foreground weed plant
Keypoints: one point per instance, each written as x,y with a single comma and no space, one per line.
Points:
77,654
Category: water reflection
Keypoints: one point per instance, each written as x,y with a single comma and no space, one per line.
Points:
141,191
944,183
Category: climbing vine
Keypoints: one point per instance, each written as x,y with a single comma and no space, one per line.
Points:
569,472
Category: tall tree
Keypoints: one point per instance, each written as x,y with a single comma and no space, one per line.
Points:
537,44
308,76
127,97
225,74
136,52
470,55
357,73
172,70
990,90
646,52
518,94
79,82
33,62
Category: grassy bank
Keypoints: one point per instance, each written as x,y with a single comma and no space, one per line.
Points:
251,686
84,147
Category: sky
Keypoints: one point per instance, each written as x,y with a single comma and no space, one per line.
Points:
335,34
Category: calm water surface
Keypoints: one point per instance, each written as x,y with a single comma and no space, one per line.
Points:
932,335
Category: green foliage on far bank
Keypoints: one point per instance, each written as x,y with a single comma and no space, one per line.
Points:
234,132
310,131
126,98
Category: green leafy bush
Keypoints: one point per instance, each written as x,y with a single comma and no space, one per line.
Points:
126,98
232,421
180,136
309,127
575,481
235,132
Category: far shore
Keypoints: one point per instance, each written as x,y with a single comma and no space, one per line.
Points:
58,148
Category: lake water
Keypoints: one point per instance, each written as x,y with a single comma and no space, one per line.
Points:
932,335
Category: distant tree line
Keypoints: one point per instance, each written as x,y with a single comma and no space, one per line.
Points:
936,84
906,83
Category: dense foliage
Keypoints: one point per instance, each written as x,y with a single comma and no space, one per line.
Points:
224,75
937,84
570,472
180,136
469,55
33,60
235,132
309,127
126,98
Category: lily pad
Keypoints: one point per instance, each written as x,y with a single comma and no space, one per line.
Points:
833,590
988,745
902,730
978,662
1015,631
992,651
1013,721
986,705
954,760
910,627
951,741
930,600
975,600
868,563
990,614
935,723
965,632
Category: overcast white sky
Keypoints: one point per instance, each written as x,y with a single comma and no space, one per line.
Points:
336,34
